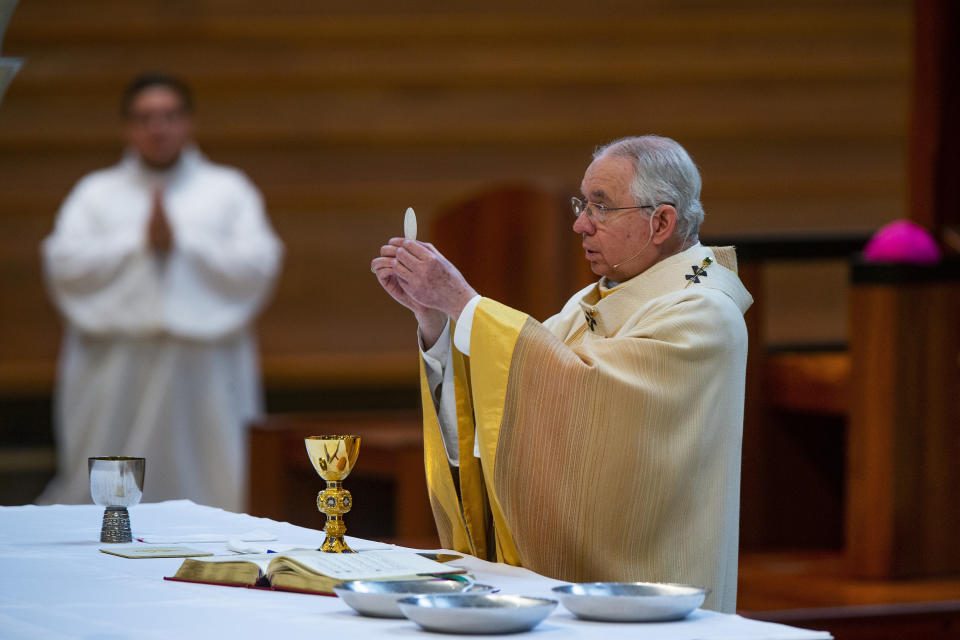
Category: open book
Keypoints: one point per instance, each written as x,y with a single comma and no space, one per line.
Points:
308,570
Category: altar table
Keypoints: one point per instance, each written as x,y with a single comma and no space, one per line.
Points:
55,583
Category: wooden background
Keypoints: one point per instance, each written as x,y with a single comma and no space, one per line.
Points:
346,113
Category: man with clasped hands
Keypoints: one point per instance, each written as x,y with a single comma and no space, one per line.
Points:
159,266
604,443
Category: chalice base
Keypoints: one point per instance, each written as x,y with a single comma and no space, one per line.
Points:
116,525
335,545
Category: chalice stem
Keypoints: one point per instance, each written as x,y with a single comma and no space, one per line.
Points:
116,525
334,501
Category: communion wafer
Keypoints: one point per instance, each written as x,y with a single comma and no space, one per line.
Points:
410,224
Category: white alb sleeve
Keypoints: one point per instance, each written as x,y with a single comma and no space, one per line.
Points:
225,259
461,336
102,277
438,364
461,340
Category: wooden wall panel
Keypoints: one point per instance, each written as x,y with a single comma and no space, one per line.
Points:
795,112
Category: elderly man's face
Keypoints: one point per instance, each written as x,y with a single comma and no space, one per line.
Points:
625,233
158,126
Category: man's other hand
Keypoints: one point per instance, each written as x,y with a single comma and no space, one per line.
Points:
429,278
431,321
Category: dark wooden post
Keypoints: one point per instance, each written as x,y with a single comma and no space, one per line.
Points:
935,127
903,509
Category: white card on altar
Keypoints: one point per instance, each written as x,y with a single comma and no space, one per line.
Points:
148,551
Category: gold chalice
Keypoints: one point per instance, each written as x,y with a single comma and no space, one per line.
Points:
333,457
116,482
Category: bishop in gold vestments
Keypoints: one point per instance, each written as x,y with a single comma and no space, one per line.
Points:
604,443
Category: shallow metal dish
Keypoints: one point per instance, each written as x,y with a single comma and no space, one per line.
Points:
468,613
630,601
378,598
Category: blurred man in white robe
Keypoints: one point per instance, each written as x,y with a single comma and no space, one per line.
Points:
159,266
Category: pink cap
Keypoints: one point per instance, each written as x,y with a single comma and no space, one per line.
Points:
902,241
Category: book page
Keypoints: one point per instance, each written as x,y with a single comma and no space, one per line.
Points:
366,565
262,560
245,570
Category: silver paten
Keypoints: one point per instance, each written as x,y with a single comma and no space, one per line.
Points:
468,613
630,601
378,598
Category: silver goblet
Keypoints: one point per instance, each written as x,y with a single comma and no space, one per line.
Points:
116,482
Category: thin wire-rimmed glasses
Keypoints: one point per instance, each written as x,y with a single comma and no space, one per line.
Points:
598,212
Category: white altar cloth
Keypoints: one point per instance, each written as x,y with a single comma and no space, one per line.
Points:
55,583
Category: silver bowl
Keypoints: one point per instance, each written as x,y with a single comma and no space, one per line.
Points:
630,601
378,598
468,613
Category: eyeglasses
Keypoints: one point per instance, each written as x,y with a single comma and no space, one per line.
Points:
598,212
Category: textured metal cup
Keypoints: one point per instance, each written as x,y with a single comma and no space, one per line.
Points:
116,482
333,457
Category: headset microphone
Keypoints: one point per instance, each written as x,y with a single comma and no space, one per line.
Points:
642,249
617,266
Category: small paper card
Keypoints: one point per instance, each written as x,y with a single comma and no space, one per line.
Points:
152,551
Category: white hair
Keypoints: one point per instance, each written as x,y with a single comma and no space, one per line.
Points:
663,173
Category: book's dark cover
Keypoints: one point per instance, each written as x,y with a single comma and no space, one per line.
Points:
260,584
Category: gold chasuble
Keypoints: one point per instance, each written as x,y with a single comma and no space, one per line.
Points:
609,436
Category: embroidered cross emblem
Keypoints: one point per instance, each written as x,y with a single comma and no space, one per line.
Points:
591,321
698,272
